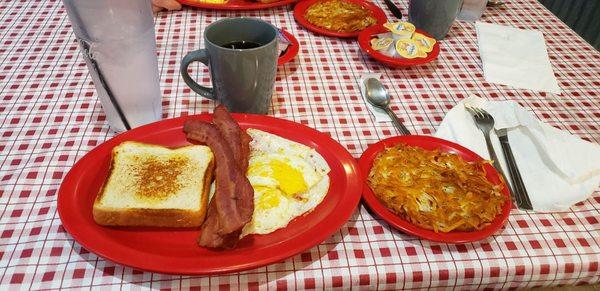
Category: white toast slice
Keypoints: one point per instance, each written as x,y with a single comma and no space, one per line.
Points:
151,185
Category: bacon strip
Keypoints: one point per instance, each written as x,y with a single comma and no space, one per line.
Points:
238,140
233,204
210,235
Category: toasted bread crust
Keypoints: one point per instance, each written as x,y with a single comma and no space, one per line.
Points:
208,177
103,188
154,217
148,217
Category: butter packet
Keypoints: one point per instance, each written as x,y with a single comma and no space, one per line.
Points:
384,46
383,35
400,29
408,48
425,43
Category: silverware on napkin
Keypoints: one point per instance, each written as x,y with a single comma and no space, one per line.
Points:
515,176
379,97
485,122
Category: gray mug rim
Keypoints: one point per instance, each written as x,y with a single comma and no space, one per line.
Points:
239,50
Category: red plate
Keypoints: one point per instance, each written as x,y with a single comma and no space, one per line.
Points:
364,41
302,6
174,251
430,143
236,4
292,49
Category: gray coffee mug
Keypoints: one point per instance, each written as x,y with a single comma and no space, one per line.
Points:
434,16
242,79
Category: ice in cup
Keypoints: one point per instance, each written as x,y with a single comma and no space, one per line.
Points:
118,44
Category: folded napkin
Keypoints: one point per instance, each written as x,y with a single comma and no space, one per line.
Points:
558,168
515,57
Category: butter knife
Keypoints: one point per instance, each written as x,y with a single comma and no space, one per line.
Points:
522,198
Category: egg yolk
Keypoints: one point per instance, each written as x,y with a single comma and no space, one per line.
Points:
290,180
269,199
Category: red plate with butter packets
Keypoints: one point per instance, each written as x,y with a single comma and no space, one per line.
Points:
174,250
302,6
236,4
364,41
430,143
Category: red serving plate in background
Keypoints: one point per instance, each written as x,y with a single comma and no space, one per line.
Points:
175,251
292,49
364,41
236,4
302,6
430,143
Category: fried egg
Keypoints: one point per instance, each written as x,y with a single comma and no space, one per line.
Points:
289,173
289,180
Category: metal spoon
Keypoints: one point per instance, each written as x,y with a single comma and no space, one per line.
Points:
378,97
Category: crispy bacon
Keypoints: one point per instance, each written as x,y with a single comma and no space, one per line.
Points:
233,203
238,140
211,235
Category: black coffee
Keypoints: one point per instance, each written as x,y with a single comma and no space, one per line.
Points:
241,45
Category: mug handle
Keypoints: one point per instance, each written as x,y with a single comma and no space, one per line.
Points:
200,56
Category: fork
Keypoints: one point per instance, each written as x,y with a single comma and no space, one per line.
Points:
485,122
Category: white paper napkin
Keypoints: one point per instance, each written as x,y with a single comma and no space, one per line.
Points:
558,168
379,114
515,57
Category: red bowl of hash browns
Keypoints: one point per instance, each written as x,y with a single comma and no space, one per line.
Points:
434,189
338,18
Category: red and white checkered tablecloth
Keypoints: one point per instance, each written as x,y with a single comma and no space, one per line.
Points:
51,117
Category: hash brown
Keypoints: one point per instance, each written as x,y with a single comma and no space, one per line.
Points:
339,15
435,190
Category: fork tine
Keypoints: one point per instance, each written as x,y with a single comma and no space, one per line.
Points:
485,113
470,109
478,112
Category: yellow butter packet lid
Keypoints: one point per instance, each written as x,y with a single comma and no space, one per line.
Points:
409,49
381,43
400,29
425,43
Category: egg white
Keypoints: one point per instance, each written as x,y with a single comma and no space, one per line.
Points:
264,142
267,220
281,207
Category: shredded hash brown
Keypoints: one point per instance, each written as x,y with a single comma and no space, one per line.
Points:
339,15
435,190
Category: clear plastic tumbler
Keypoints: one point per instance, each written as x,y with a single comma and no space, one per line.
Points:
117,41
